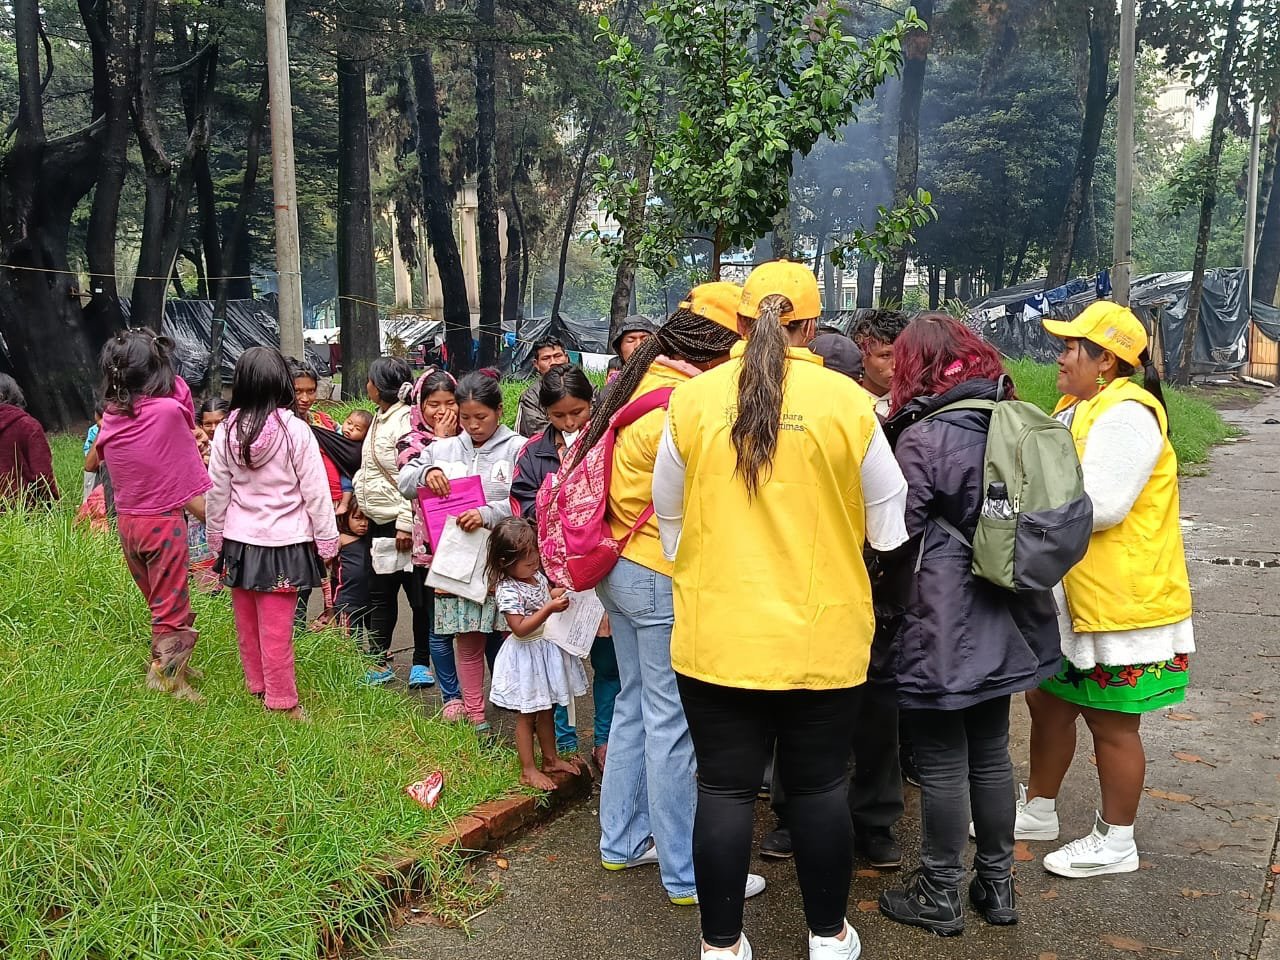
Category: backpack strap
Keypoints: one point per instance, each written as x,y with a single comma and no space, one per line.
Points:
633,411
987,405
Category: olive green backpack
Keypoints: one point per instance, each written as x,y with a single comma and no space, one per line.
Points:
1036,519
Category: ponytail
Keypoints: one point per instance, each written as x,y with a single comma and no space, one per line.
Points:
1151,381
764,368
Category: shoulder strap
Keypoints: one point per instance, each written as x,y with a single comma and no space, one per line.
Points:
987,405
637,408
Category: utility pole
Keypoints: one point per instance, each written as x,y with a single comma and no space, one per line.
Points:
1251,205
1122,242
288,258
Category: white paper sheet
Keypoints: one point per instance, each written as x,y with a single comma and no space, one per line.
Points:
386,558
458,565
574,630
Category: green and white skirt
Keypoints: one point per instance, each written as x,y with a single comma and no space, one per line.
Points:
1135,688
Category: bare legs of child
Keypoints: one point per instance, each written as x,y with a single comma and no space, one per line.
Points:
541,725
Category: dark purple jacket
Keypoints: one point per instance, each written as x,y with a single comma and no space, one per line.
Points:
959,640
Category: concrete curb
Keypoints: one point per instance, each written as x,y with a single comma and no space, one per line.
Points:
482,829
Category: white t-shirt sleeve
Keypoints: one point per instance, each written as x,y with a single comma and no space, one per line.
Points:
884,493
668,493
1120,454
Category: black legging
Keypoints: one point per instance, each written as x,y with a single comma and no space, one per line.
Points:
733,732
384,607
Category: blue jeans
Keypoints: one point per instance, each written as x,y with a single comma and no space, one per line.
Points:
604,691
649,790
445,666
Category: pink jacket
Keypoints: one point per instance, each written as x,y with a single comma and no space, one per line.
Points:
282,499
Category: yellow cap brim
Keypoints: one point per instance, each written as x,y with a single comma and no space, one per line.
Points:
1062,329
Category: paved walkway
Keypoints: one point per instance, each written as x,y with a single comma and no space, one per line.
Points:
1207,829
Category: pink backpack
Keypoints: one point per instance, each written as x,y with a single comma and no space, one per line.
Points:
578,548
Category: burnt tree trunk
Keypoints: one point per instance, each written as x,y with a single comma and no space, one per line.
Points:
511,298
915,61
357,281
490,246
866,283
625,278
571,214
437,205
1266,265
1217,135
935,287
1101,26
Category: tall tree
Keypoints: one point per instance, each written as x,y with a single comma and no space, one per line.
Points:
915,61
357,283
1101,27
487,189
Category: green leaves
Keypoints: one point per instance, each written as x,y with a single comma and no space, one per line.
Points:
894,230
730,92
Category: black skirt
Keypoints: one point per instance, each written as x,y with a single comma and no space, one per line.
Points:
287,569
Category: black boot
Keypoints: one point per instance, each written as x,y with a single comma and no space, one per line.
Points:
924,904
777,845
879,849
995,900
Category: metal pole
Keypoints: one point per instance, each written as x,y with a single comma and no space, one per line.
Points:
288,258
1251,203
1122,242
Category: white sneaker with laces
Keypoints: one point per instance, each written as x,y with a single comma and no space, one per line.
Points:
1108,849
833,948
755,885
728,953
1033,819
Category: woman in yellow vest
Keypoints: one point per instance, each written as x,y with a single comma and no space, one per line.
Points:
1125,610
648,790
771,475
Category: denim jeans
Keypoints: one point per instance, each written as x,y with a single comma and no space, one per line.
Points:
445,666
962,757
649,785
604,691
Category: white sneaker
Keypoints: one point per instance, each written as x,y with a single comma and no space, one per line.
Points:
1108,849
833,948
755,885
743,952
649,856
1033,819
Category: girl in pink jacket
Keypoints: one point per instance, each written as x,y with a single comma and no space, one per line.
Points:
269,520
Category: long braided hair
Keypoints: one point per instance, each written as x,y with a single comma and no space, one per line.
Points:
685,335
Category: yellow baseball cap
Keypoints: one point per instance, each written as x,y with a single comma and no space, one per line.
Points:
1107,324
792,280
716,301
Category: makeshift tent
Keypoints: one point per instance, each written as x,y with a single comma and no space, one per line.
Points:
587,335
1010,318
249,323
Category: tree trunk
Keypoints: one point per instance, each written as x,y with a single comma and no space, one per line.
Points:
43,344
832,296
1270,154
935,284
237,237
949,286
487,191
571,214
866,283
437,204
915,60
1209,200
113,77
1101,24
1023,245
1266,264
624,280
966,287
511,298
357,281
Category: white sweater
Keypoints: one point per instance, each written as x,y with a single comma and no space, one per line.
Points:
1120,454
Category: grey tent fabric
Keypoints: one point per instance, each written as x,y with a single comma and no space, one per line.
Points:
1267,319
586,335
249,323
1222,333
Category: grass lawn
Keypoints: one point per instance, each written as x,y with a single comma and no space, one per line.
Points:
133,825
1195,426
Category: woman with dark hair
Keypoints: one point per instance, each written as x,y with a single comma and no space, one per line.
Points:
648,791
1125,609
771,474
390,387
270,521
962,646
26,464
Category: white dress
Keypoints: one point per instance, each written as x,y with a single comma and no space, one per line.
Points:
533,674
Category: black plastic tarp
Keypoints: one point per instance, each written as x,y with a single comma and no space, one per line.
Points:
584,335
1267,319
249,323
1222,333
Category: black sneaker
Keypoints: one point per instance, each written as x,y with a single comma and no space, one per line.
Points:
777,845
995,900
880,850
922,904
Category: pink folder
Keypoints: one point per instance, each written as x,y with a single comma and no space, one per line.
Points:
465,493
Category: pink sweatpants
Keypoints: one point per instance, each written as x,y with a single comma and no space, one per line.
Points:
264,627
470,650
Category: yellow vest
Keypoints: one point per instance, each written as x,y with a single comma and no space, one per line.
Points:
631,483
771,593
1135,574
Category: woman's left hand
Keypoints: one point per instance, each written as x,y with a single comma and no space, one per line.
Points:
471,520
404,541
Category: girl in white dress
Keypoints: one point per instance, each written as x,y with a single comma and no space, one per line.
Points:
531,674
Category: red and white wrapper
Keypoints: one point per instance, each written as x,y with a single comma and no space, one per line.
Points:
427,791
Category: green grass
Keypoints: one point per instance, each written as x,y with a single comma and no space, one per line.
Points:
1195,426
133,825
